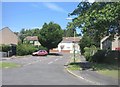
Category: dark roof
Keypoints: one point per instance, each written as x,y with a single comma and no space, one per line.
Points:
70,39
31,38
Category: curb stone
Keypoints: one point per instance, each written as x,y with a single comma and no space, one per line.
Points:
78,76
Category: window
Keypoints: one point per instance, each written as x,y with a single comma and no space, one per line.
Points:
31,42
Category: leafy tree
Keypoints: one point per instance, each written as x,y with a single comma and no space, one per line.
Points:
70,30
50,35
64,33
98,19
86,41
22,35
28,32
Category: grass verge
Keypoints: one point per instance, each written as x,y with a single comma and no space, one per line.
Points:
8,65
107,70
104,69
73,66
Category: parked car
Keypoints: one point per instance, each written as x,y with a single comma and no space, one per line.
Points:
40,53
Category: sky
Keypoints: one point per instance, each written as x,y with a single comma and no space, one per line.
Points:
28,15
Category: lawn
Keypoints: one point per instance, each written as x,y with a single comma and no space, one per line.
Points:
107,69
110,70
8,65
73,66
111,73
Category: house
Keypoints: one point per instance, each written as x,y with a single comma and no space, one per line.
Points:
32,40
106,43
68,45
8,37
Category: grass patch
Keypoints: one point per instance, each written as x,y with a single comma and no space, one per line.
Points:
110,73
73,67
107,70
8,65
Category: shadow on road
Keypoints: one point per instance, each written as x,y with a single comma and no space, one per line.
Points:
55,54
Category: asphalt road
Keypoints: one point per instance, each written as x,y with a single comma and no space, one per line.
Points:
48,70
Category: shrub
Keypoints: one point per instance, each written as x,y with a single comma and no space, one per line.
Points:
99,56
105,56
89,52
42,48
25,49
5,48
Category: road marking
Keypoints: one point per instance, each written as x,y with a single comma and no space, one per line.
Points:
55,59
32,63
50,62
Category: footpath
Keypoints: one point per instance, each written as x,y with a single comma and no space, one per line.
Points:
88,74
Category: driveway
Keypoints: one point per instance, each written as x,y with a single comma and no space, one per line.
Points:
37,70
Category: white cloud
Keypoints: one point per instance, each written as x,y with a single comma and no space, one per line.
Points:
54,7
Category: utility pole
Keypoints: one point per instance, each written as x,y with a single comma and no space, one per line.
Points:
73,41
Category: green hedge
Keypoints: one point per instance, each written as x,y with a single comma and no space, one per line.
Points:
42,48
25,49
105,56
5,48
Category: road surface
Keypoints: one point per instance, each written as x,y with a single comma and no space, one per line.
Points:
45,70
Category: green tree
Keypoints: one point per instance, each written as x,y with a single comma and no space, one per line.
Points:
50,35
70,30
28,32
86,41
22,35
98,19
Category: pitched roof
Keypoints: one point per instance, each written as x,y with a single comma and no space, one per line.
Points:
105,38
8,36
8,29
71,39
31,38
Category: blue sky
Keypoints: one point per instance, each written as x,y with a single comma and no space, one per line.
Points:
28,15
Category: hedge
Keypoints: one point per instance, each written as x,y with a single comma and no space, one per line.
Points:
105,56
25,49
5,48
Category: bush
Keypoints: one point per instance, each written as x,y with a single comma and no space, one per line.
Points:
105,56
5,48
42,48
25,49
89,52
99,56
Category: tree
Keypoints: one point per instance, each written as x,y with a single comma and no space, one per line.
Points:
98,19
86,41
28,32
50,35
70,30
22,35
